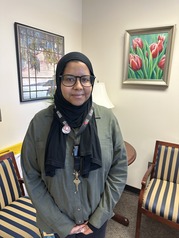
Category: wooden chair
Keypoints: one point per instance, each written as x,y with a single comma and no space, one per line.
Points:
159,195
17,214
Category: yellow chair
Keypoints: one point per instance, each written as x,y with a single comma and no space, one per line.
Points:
17,214
159,195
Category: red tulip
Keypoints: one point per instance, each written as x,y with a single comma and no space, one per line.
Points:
135,62
137,42
162,38
161,63
154,50
160,45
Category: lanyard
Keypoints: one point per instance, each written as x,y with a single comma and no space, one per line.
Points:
66,129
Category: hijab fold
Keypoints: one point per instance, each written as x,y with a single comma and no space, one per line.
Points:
89,147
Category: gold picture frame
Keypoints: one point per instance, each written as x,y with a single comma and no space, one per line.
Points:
148,55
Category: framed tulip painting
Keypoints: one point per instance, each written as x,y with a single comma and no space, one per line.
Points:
148,55
38,53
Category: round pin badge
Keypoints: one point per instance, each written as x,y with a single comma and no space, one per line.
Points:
66,129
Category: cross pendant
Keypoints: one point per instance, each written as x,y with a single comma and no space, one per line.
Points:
76,180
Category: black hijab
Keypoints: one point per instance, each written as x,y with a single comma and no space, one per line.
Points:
89,148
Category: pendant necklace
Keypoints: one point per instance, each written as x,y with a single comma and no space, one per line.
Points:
66,129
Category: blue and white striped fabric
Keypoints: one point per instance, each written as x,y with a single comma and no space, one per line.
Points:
167,164
162,199
19,220
9,186
17,214
162,194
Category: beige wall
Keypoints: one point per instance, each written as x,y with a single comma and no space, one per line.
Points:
56,16
144,113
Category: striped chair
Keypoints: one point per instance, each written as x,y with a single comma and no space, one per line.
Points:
159,195
17,214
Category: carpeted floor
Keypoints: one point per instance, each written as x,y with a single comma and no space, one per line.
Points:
127,206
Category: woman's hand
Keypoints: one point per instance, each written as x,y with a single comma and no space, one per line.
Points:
86,230
83,228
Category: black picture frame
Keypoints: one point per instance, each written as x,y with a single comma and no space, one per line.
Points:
38,53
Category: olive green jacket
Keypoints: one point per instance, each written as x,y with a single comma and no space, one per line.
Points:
59,206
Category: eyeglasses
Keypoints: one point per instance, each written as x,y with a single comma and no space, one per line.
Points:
69,80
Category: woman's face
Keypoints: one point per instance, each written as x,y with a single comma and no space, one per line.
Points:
77,94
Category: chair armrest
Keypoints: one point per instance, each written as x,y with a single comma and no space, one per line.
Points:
146,175
21,182
144,183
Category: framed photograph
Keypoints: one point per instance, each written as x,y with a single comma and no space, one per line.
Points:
38,53
148,56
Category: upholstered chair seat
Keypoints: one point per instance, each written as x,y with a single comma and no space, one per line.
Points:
161,198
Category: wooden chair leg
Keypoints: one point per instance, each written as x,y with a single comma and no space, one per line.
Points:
138,223
121,219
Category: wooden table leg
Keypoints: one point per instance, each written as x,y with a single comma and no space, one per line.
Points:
121,219
131,156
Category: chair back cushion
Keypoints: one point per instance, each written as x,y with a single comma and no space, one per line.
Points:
9,185
167,164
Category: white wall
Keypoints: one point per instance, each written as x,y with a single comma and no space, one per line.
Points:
56,16
145,113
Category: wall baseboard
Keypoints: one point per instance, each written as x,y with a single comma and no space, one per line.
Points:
132,189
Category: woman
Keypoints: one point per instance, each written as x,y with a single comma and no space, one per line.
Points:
73,157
